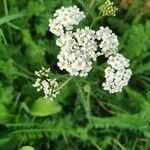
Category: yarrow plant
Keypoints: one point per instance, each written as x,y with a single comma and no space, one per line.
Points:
79,48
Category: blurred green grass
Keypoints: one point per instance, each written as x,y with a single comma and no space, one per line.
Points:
95,120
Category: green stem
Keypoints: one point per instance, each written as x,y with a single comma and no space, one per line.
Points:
6,13
88,102
96,145
119,144
8,28
16,100
24,75
33,119
95,20
5,7
85,102
13,26
91,4
25,70
10,34
87,10
88,107
65,83
3,36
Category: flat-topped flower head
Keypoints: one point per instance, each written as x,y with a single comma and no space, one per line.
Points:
78,50
117,74
118,61
108,9
108,41
45,84
64,19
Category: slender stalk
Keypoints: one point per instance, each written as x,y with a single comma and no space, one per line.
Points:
13,26
5,7
91,4
8,27
96,146
119,144
95,20
85,102
6,13
33,119
88,103
24,75
10,34
88,107
3,36
65,137
65,83
87,10
25,70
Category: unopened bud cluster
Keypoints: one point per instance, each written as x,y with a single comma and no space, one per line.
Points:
108,9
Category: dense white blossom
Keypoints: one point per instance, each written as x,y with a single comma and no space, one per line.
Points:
108,41
117,74
81,47
47,85
118,61
64,19
78,50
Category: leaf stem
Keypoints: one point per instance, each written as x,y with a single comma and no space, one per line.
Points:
119,144
13,26
87,10
24,76
8,28
91,4
3,36
85,102
65,83
5,7
95,20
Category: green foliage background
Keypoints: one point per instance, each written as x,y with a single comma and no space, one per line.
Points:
83,116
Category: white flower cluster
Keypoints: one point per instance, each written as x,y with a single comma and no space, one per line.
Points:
117,74
108,41
64,19
78,50
48,85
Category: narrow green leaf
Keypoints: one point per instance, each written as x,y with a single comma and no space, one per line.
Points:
12,17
